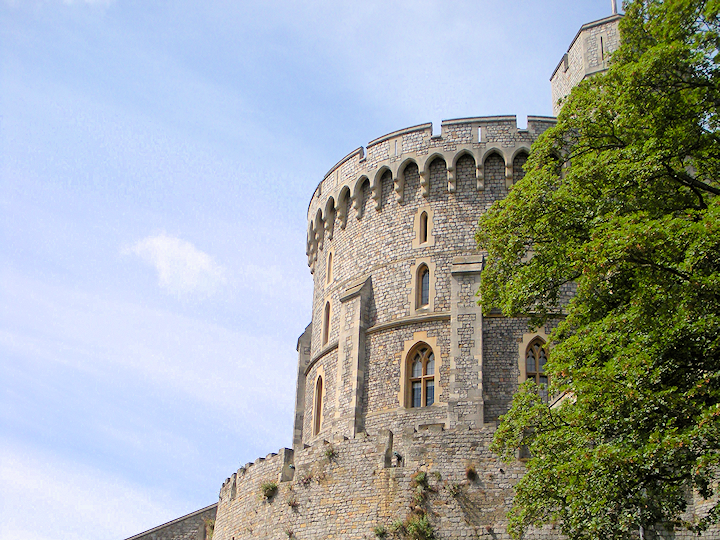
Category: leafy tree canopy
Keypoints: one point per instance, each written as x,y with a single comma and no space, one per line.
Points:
621,202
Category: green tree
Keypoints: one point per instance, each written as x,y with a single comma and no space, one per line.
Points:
621,205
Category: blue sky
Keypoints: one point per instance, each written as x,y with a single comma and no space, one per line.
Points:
156,162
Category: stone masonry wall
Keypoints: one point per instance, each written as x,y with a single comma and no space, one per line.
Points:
195,526
589,53
343,489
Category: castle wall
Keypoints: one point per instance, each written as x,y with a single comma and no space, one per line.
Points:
197,525
588,54
345,488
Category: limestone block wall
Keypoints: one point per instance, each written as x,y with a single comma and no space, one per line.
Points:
344,488
195,526
588,54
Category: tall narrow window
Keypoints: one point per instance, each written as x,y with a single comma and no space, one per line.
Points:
422,376
535,359
317,409
326,324
329,268
423,227
423,287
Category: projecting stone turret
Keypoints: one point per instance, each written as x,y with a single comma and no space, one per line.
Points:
588,54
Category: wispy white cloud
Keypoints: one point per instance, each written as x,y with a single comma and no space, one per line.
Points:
182,269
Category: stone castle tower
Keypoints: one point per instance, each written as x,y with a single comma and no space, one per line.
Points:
399,372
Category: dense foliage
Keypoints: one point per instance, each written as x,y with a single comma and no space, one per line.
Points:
621,200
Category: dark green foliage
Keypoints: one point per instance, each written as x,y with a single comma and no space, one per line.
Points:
621,200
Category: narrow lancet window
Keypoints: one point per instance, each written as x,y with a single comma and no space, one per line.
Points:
317,410
423,227
423,287
326,324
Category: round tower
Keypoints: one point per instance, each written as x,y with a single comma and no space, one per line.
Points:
397,337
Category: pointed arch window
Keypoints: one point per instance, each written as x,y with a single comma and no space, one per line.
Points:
423,228
317,408
326,324
423,287
421,383
535,360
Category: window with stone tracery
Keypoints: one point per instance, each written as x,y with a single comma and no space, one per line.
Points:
421,383
535,359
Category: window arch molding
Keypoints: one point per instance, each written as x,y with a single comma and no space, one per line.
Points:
422,287
421,376
411,347
429,236
523,345
319,391
416,296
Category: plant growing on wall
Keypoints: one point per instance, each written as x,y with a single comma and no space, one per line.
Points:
418,527
330,453
268,489
209,528
305,479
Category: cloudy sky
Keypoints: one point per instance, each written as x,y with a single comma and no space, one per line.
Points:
156,162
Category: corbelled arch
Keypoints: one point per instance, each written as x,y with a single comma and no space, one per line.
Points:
357,194
329,215
516,163
424,170
452,178
399,183
343,199
493,151
376,185
319,228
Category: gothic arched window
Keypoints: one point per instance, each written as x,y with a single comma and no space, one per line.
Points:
535,359
421,382
423,286
423,227
317,409
326,324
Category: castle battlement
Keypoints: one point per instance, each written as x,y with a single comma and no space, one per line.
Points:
479,137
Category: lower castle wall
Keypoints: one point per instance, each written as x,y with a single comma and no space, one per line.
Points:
342,489
345,488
